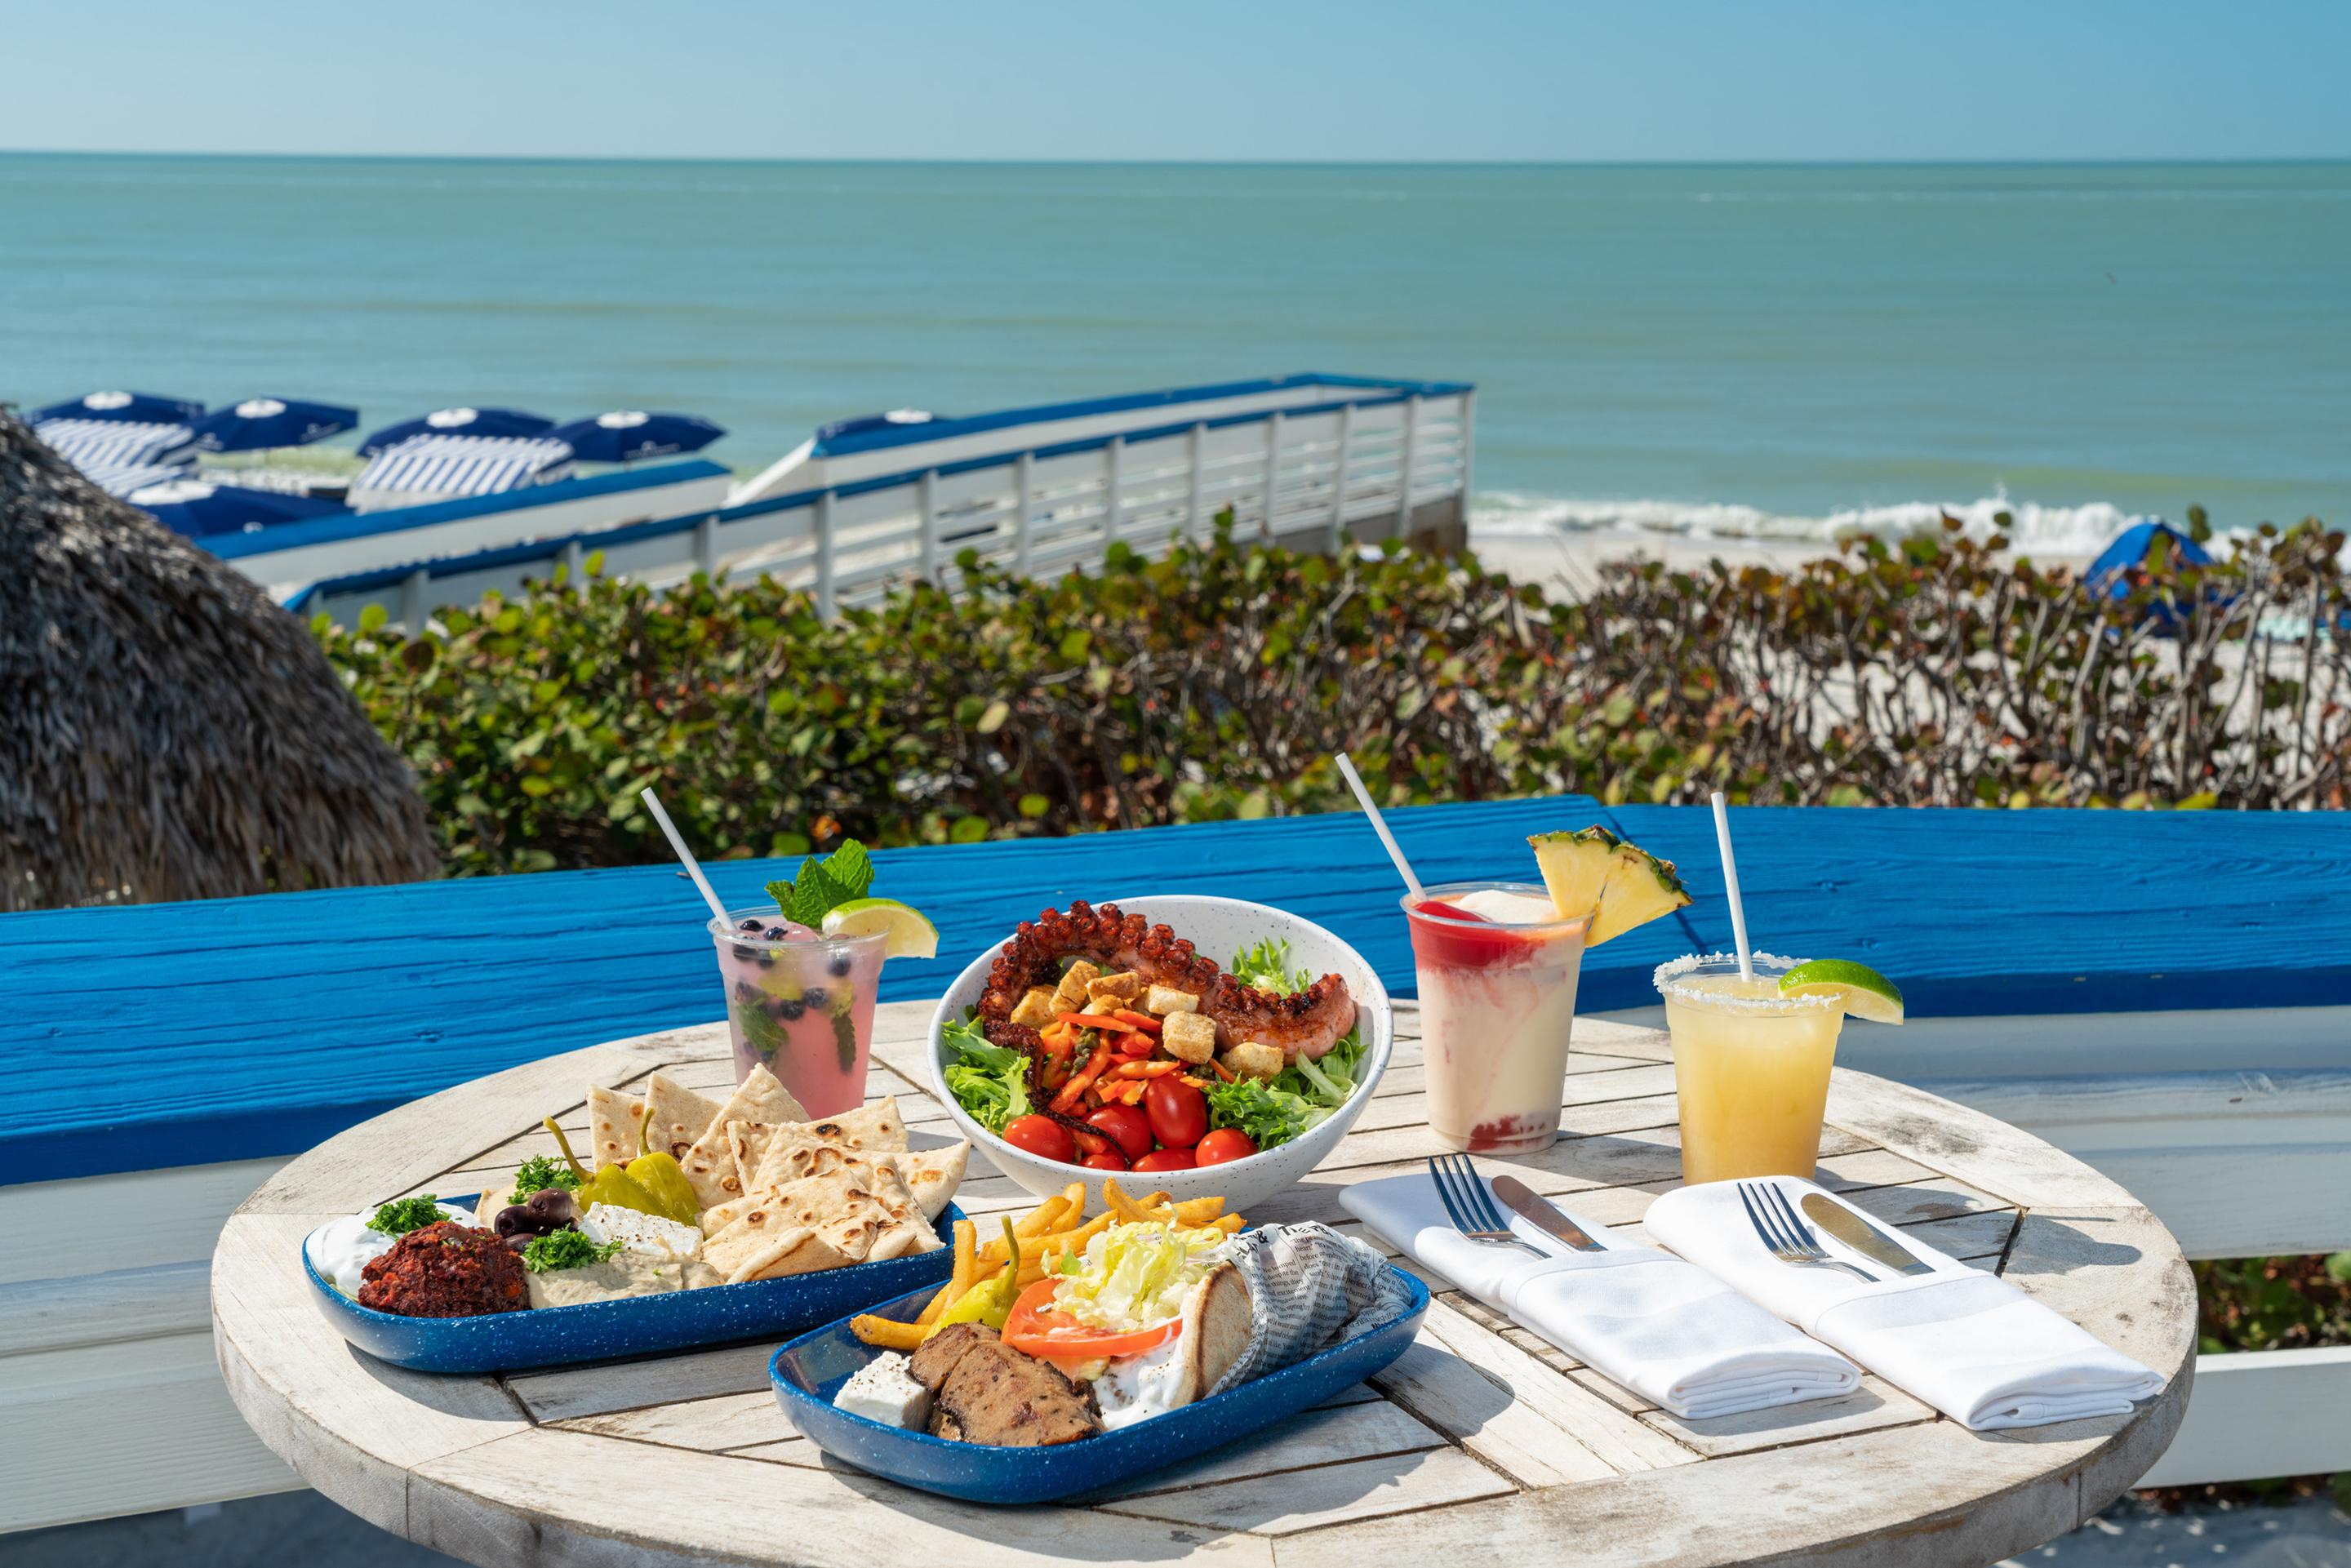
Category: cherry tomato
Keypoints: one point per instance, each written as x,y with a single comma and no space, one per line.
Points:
1042,1136
1105,1162
1165,1160
1128,1127
1224,1143
1179,1113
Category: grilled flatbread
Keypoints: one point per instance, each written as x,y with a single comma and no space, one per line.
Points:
709,1165
676,1116
934,1174
616,1127
1215,1330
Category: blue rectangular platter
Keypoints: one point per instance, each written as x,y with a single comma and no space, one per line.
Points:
636,1325
809,1371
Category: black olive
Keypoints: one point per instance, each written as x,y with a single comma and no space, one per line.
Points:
515,1220
518,1240
552,1205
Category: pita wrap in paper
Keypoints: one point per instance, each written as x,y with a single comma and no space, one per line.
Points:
616,1125
676,1116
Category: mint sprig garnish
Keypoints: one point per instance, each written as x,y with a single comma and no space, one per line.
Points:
824,884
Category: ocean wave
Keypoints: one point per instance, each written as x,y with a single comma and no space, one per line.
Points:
2032,527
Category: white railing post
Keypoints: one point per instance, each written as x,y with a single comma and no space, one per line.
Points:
575,564
1023,487
1338,479
926,503
1404,458
1469,455
706,547
824,602
1195,446
1114,489
412,602
1272,468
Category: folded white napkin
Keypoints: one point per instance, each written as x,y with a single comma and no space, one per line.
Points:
1669,1333
1965,1341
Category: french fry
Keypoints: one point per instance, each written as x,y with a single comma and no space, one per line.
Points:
1042,1218
1157,1201
1125,1207
887,1333
1074,1196
1227,1223
967,1240
1070,1241
938,1305
1198,1211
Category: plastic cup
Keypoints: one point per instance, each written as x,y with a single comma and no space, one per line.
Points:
1750,1066
800,1004
1497,1005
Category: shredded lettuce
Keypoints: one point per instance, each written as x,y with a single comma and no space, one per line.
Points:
1267,967
989,1082
1138,1275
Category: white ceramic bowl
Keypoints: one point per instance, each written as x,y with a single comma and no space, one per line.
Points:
1218,928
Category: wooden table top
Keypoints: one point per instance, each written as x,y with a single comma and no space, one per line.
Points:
1482,1444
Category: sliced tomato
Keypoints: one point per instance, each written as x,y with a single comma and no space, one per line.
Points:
1036,1329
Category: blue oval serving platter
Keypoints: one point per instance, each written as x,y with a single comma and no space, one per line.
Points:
634,1326
809,1371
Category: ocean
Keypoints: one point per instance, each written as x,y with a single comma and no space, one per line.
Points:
1779,350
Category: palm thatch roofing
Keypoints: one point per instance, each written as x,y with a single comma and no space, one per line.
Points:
166,731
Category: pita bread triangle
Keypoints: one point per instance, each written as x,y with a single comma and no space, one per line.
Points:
709,1164
676,1116
616,1125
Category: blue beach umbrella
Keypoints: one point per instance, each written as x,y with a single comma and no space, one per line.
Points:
458,421
123,407
196,508
630,435
261,422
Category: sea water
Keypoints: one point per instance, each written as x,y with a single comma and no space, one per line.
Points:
1745,349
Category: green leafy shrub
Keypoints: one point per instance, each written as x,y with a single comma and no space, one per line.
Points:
1216,681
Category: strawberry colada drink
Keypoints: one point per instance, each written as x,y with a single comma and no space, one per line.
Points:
1497,968
801,977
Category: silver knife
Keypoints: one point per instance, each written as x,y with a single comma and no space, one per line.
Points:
1545,1214
1863,1237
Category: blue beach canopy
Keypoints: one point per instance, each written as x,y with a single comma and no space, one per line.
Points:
261,422
630,435
2129,550
458,421
195,509
123,407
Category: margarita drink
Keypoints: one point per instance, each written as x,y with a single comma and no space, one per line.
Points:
800,1004
1497,968
1751,1067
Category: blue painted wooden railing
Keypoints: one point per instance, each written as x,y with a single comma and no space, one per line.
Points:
178,1034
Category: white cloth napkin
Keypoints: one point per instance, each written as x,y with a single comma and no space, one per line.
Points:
1669,1333
1965,1341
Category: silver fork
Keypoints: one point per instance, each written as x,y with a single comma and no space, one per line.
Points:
1471,1206
1783,1231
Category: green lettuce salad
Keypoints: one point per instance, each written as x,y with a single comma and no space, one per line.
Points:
1307,1091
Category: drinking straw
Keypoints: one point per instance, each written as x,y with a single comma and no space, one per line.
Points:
1730,884
685,856
1380,826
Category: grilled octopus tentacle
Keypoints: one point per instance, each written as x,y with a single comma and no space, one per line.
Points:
1307,1023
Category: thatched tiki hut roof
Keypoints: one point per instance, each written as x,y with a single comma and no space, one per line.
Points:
165,731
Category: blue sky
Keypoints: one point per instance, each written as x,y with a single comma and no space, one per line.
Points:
1286,79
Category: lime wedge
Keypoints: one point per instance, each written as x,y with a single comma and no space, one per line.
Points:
1866,993
911,936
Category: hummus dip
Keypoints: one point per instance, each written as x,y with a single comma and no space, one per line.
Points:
624,1274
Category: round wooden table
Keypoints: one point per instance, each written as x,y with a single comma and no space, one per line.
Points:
1482,1444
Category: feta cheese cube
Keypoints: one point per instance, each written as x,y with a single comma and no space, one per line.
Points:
1189,1036
637,1231
885,1390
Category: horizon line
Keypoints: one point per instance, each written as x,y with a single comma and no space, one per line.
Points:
1825,162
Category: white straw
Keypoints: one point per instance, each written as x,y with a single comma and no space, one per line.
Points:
1730,885
1379,826
718,910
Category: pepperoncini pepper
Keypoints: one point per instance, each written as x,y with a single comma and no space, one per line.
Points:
659,1173
990,1301
619,1185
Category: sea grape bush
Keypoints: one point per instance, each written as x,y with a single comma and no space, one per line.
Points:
1215,682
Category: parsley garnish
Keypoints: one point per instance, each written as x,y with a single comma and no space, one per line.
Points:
402,1214
565,1249
540,1172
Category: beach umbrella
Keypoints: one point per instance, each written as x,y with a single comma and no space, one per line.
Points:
169,732
261,422
458,421
629,435
128,407
196,507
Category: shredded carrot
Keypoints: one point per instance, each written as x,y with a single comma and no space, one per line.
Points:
1143,1022
1222,1070
1083,1079
1144,1068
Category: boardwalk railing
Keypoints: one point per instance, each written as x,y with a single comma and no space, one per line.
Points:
1330,461
2199,1054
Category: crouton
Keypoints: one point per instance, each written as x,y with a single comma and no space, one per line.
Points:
1166,999
1252,1059
1189,1036
1101,1007
1121,988
1074,981
1036,1009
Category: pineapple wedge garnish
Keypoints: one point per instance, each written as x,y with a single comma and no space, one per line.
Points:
1620,885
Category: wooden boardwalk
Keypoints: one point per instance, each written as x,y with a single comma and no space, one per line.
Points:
192,1033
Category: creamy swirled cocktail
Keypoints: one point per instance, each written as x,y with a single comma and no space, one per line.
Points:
1497,968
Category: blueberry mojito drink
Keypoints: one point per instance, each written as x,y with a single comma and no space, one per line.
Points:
801,977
